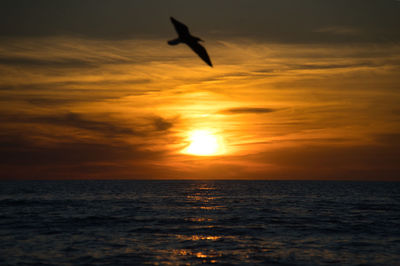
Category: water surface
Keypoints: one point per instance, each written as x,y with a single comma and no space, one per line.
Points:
199,222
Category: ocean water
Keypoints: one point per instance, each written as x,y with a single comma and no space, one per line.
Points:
199,222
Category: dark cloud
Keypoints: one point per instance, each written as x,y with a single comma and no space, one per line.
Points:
162,124
332,66
37,62
392,139
248,110
79,89
72,84
339,30
49,101
278,20
29,152
101,125
73,120
26,152
71,63
340,162
78,121
21,158
58,98
396,112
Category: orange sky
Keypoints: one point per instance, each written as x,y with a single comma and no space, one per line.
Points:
93,108
124,109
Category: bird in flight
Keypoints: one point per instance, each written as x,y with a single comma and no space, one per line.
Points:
184,36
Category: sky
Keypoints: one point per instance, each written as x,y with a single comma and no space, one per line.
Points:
301,89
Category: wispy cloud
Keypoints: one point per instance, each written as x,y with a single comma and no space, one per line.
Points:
100,124
125,108
131,19
339,30
162,124
248,110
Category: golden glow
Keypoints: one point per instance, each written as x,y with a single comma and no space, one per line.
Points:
280,109
204,143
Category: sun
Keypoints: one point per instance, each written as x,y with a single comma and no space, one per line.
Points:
204,143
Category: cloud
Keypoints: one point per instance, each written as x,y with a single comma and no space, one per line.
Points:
162,124
332,66
101,125
65,146
339,30
117,120
37,62
389,139
247,110
40,101
67,61
396,112
76,120
20,158
324,161
131,19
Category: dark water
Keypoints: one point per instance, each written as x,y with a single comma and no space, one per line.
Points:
195,222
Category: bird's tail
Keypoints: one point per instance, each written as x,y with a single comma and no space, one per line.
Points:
174,41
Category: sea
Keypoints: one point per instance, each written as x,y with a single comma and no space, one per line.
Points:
199,222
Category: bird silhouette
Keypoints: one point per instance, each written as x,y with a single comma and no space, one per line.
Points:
184,36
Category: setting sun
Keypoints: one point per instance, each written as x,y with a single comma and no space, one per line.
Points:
204,143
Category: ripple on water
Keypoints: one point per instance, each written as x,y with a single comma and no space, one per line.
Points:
195,222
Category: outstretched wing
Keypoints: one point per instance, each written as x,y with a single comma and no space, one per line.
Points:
180,28
174,41
201,51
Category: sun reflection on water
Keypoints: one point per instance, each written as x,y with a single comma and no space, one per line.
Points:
211,207
209,257
198,237
201,255
199,219
204,203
